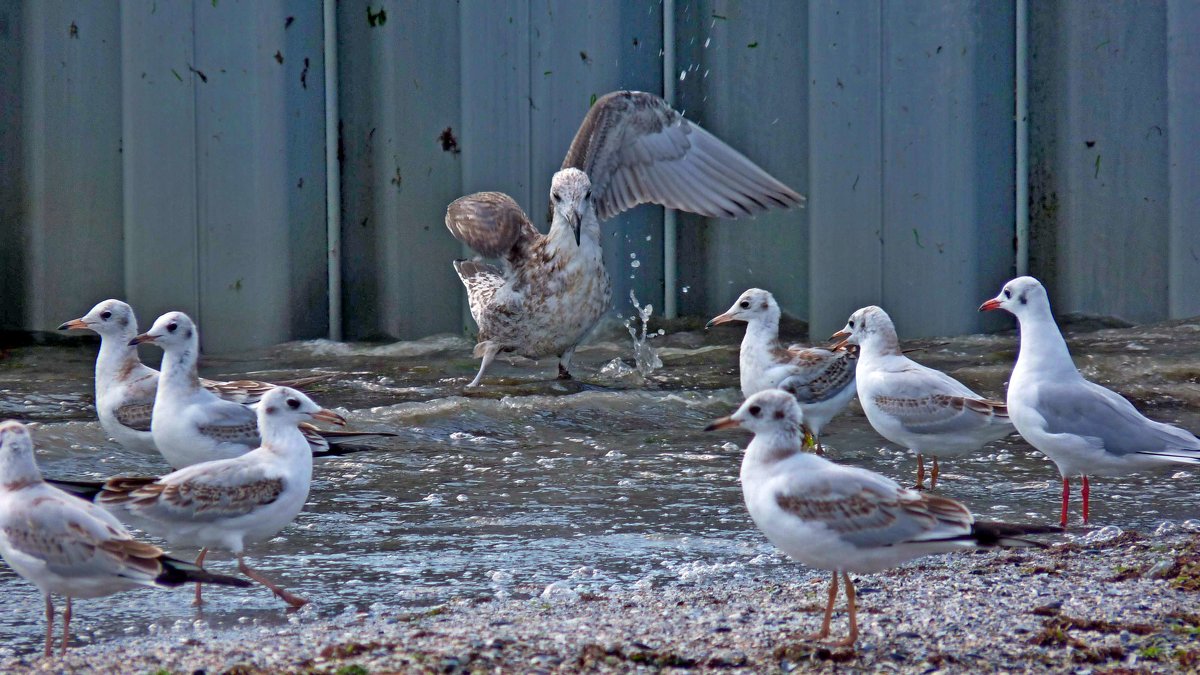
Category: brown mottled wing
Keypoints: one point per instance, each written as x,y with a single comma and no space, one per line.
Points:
492,224
869,513
820,374
251,391
201,492
136,416
635,148
942,413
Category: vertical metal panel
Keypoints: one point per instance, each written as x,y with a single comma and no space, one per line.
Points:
12,177
159,158
399,91
750,72
582,50
72,158
1183,122
846,198
948,162
1100,103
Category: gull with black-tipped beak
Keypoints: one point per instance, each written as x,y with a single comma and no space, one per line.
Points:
845,519
228,503
67,546
922,409
125,387
1085,429
191,424
552,289
821,380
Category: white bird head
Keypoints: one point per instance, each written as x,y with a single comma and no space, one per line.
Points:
171,331
570,197
753,305
864,325
284,406
1019,296
772,411
110,318
17,465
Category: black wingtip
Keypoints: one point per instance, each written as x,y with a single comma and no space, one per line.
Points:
86,490
178,572
986,533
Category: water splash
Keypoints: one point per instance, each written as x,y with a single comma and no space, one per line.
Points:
645,356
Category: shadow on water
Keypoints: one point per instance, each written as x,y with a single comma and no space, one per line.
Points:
602,483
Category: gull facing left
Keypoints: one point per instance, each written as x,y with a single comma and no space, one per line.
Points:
228,503
67,546
922,409
845,519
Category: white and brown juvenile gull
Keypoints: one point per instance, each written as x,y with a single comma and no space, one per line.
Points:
632,148
228,503
821,380
845,519
125,387
922,409
191,424
67,546
1082,427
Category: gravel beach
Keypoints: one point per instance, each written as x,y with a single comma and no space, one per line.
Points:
1108,602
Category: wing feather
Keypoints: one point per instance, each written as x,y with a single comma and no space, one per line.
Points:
492,224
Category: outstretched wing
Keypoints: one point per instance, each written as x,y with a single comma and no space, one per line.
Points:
492,224
635,148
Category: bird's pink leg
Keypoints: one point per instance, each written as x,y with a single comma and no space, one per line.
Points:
824,632
294,600
850,603
66,627
49,625
920,472
1086,490
1066,500
200,563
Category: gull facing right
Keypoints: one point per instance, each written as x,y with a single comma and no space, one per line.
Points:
821,380
922,409
845,519
1082,427
632,148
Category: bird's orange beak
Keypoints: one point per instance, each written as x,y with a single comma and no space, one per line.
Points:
990,305
144,337
74,324
716,320
329,417
723,423
844,336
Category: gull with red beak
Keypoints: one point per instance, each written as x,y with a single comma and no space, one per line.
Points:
821,380
125,387
845,519
1082,427
190,423
228,503
922,409
552,289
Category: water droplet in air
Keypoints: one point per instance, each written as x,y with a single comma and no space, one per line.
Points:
635,264
682,75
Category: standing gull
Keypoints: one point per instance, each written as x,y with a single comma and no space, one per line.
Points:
228,503
844,519
67,546
1082,427
632,148
125,387
821,380
191,424
922,409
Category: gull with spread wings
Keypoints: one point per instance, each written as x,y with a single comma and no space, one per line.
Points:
552,289
845,519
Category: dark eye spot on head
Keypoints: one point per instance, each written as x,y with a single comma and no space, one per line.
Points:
106,315
556,197
1023,299
270,410
851,324
293,403
764,305
755,410
745,304
778,414
171,327
1007,293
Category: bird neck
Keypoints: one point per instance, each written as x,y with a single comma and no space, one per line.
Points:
1043,348
768,449
116,361
179,368
18,471
282,437
762,336
882,341
562,234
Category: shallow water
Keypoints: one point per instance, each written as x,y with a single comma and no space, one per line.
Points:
595,484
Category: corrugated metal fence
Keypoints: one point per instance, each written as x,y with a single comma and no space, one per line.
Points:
172,153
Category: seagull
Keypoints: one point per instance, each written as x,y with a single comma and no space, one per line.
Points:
821,380
70,547
845,519
227,503
191,424
552,289
1082,427
922,409
125,387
